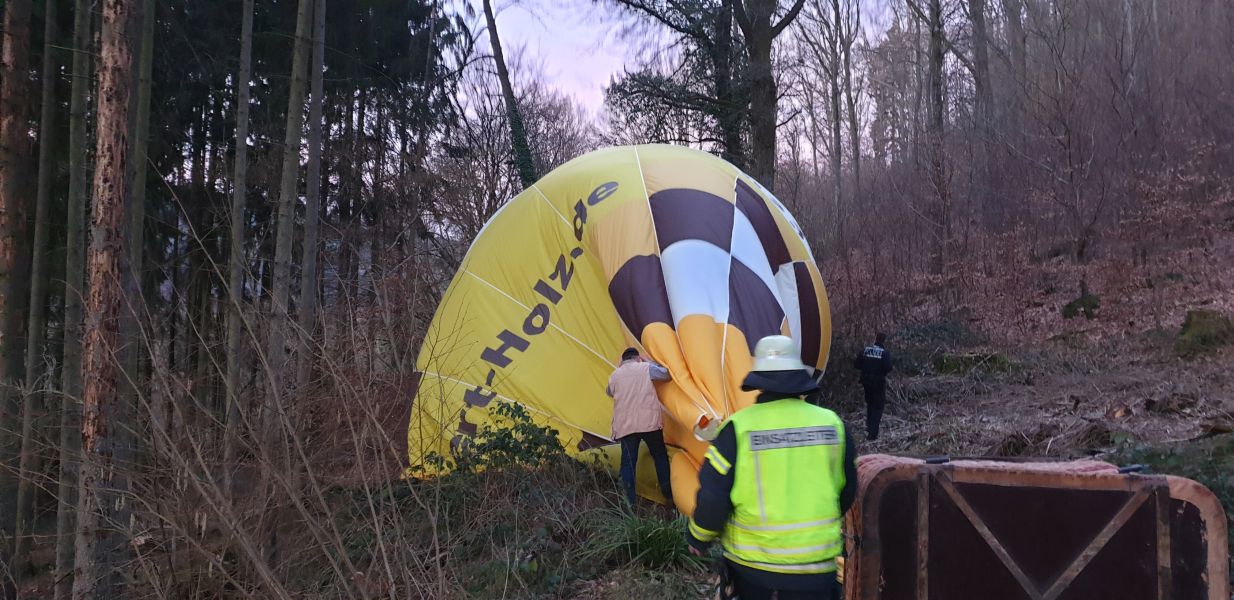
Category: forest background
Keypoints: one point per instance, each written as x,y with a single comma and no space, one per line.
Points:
207,347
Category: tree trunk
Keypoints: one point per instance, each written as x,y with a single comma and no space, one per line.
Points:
220,177
815,136
730,108
518,132
837,146
755,19
1016,39
850,97
203,294
203,298
99,547
312,210
38,292
982,110
134,351
377,241
918,92
1014,14
14,153
938,174
288,194
762,111
352,238
1129,42
197,214
981,60
350,190
235,261
74,290
175,351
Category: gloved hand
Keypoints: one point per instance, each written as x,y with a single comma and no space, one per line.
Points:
697,546
706,429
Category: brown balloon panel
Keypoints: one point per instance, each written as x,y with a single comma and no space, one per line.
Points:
988,529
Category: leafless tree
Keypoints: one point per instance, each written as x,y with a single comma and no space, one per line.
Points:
761,23
105,421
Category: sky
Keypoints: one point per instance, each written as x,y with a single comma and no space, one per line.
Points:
578,44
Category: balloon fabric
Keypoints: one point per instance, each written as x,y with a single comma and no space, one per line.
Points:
667,249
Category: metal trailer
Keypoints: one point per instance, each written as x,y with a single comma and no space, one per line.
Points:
937,529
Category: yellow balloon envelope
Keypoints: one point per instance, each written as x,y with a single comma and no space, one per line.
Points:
663,248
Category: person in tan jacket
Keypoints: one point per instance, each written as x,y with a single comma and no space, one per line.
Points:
637,418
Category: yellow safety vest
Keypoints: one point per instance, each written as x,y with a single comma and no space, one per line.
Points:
786,491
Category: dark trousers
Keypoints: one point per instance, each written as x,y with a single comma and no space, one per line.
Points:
748,590
629,461
876,397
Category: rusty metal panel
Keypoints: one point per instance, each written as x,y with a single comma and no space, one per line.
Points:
980,529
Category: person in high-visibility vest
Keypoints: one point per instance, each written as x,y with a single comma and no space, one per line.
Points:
775,484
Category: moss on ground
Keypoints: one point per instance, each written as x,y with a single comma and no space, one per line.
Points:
967,362
1208,461
1087,304
1203,331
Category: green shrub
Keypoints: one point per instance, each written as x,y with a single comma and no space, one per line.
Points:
1203,330
915,346
516,518
620,537
1209,462
514,439
1087,304
942,332
959,364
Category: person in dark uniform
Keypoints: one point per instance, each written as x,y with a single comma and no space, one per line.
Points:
874,362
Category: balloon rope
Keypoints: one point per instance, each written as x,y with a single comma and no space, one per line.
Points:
550,323
550,205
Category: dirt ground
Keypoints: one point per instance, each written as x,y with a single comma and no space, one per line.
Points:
1056,402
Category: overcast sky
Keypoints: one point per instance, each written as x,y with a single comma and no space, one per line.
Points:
577,44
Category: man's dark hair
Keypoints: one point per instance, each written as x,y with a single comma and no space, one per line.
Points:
629,353
880,338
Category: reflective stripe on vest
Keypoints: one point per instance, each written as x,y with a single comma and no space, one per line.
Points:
785,527
786,551
717,460
786,506
825,566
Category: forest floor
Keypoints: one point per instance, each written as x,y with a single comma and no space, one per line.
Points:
1003,372
559,532
1056,403
1126,400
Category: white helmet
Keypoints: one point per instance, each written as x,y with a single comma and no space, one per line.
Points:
777,353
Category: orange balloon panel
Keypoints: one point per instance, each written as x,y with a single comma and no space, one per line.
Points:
667,249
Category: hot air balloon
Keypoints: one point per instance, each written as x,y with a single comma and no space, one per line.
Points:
667,249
